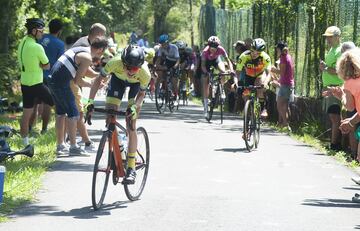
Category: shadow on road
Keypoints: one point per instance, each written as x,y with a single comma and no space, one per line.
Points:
339,203
62,165
88,212
233,150
79,213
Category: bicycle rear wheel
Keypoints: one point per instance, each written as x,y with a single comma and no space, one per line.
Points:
101,171
160,97
249,125
133,191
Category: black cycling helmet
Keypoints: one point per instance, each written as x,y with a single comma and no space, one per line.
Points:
32,23
258,44
281,45
133,56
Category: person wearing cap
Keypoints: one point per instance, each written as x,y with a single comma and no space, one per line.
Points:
33,60
332,105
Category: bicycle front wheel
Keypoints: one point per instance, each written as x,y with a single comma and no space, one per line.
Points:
249,125
101,171
258,123
160,97
133,191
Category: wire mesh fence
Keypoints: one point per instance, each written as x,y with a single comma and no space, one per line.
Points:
301,25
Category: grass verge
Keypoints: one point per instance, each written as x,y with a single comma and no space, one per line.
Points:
23,175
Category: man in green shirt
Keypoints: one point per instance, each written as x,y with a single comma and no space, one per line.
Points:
332,105
33,61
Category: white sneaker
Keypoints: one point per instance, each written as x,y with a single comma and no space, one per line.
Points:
77,151
91,147
62,149
206,115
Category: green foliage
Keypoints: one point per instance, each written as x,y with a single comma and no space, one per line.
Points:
235,4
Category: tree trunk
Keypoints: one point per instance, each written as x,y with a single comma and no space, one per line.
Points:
209,2
5,12
356,17
161,10
159,25
191,24
222,4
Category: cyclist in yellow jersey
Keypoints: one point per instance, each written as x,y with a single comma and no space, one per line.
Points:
257,65
127,70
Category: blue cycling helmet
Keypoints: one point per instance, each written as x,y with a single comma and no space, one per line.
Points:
164,38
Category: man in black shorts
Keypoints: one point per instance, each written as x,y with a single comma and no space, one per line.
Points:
33,61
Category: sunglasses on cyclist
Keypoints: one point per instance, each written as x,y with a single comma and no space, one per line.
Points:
213,45
132,69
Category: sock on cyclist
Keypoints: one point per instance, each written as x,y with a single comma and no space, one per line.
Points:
205,104
131,160
262,104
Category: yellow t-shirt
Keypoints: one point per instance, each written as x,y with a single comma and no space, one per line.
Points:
116,66
30,56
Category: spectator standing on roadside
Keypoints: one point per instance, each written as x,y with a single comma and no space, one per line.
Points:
54,48
33,61
331,104
96,30
285,83
133,38
352,139
73,65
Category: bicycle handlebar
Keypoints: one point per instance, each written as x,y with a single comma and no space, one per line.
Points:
109,112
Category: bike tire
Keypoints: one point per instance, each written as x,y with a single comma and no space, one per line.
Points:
160,98
170,101
258,123
249,131
102,165
133,191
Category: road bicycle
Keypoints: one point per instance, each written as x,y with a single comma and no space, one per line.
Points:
5,150
252,122
183,87
164,95
217,94
150,90
111,158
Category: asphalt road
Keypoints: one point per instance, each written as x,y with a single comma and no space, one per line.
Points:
202,178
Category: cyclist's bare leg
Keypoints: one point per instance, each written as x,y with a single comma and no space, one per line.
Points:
205,90
175,83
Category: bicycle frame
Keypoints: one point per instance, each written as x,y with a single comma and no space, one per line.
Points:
114,146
